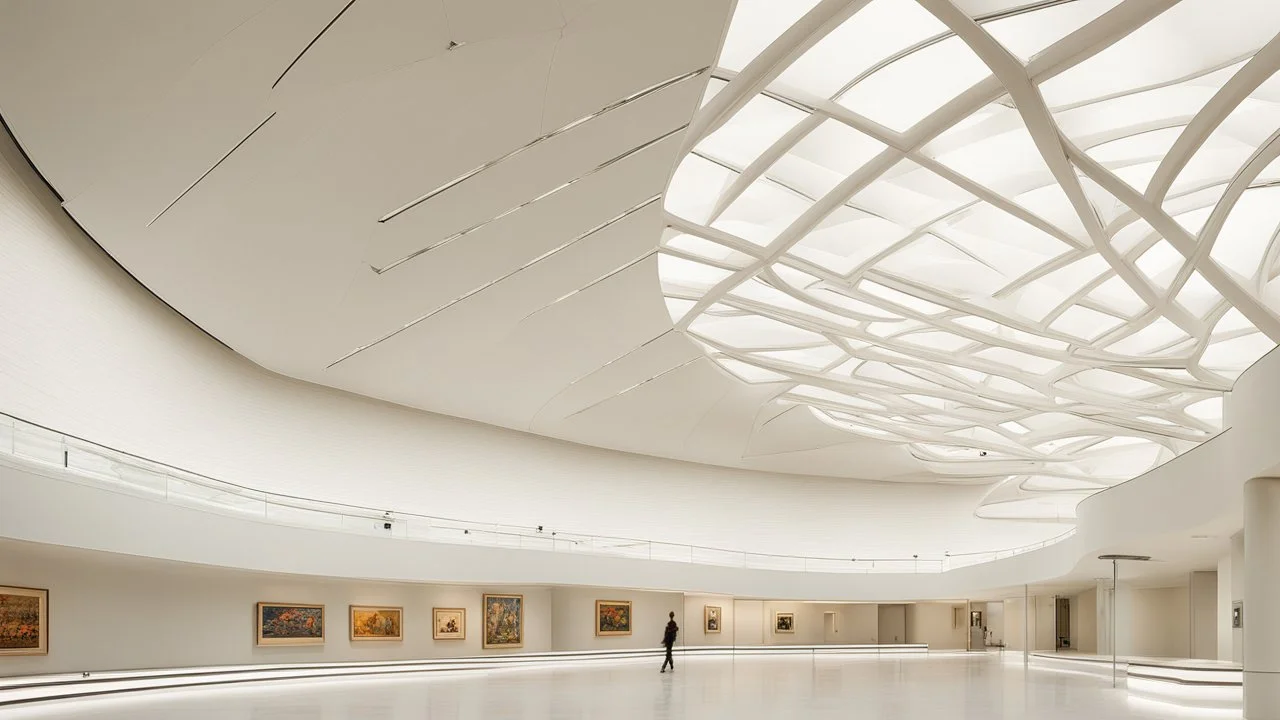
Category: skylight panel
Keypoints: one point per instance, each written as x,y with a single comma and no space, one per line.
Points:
761,212
912,196
748,372
1160,337
913,267
814,358
1157,52
756,24
844,246
1248,232
936,74
1026,34
1081,322
1160,263
1232,357
752,130
695,188
874,33
753,331
1116,295
677,272
909,302
1198,296
1025,362
678,308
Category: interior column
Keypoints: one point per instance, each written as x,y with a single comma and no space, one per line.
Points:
1261,599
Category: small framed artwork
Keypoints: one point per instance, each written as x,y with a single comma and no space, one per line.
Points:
503,621
24,621
784,622
449,623
613,617
290,624
370,622
711,619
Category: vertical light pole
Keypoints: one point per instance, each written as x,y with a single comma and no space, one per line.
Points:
1115,589
1026,625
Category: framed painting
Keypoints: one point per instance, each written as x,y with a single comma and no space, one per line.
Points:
290,624
24,621
784,622
371,622
711,619
449,623
613,617
503,621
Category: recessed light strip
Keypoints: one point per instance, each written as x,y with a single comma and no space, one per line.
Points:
527,203
211,169
537,141
495,281
595,282
313,42
629,388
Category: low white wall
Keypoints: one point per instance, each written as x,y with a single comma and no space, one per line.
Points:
748,623
1226,640
110,612
573,617
1203,614
891,622
1160,626
1085,613
693,630
935,625
994,620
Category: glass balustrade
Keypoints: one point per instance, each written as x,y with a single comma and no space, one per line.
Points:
89,463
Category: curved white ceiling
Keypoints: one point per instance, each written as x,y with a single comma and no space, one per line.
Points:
458,206
1033,240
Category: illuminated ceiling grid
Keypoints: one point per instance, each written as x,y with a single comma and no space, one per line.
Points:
1034,242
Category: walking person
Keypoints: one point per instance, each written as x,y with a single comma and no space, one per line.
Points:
669,639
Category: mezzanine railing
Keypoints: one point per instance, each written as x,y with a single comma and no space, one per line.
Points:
104,467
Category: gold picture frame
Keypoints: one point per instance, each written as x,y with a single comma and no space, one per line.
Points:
712,619
503,617
613,617
376,623
784,622
289,624
448,623
24,621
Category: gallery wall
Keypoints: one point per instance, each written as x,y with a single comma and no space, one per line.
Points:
1203,602
941,626
1085,617
110,612
692,631
1161,623
573,618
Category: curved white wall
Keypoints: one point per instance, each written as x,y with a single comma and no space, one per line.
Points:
85,350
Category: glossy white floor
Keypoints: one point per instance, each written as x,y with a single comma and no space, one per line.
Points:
947,687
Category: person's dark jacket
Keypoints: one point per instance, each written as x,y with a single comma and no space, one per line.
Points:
669,637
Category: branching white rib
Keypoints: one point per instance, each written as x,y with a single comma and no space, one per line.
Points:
986,281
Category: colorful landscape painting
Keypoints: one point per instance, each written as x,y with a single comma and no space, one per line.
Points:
24,621
290,624
711,619
376,623
503,621
613,617
449,624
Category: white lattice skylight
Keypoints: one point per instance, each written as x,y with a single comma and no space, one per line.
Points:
1035,242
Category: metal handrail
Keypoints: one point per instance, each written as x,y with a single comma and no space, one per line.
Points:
84,459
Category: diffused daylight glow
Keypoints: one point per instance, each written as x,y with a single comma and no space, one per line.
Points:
1034,242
